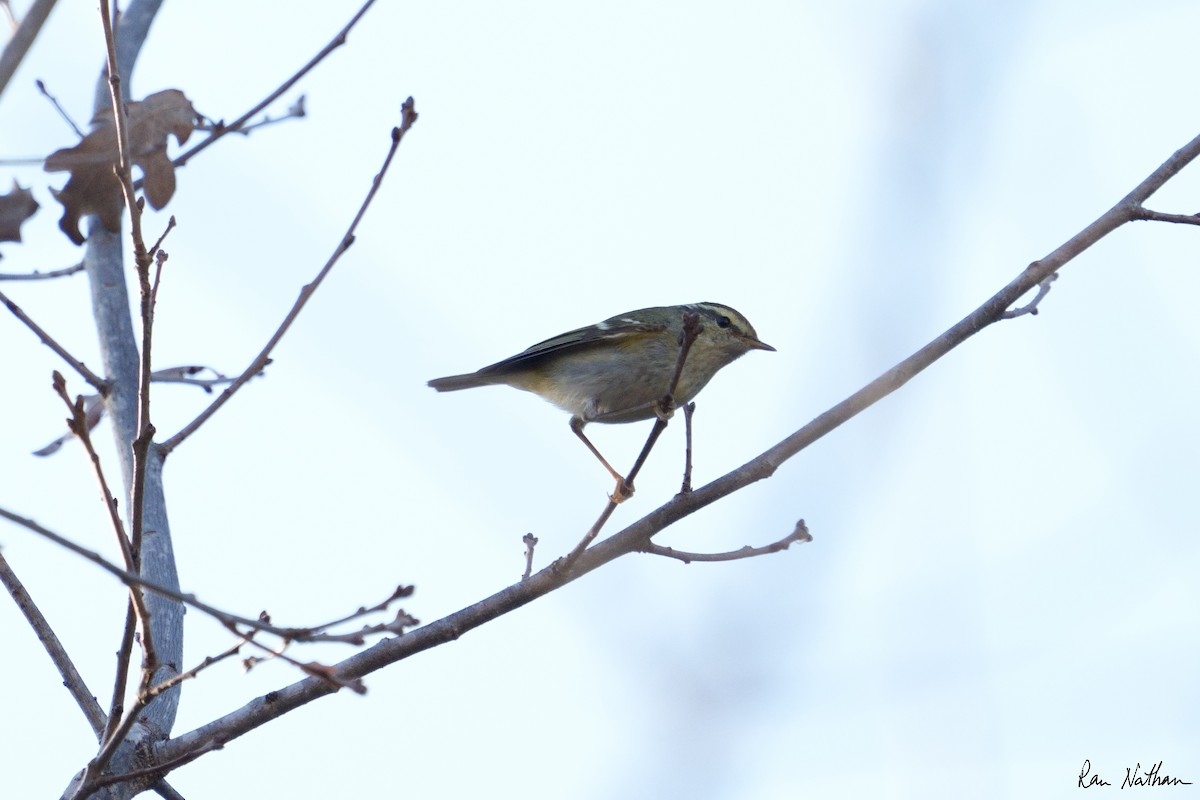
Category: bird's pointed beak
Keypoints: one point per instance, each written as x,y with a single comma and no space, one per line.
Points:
756,344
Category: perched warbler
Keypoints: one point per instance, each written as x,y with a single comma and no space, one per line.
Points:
619,369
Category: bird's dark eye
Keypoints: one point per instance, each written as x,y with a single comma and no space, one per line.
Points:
723,322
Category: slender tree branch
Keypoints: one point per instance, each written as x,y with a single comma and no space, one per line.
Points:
22,39
240,122
124,167
1156,216
316,633
54,648
408,117
42,276
145,429
79,426
799,534
116,706
295,111
208,661
62,112
636,536
122,362
98,383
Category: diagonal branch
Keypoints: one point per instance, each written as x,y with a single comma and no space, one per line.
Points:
98,383
635,537
22,39
408,117
54,648
240,123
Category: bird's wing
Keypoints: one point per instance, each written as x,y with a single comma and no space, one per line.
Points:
611,330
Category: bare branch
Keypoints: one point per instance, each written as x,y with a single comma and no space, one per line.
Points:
79,425
22,39
408,117
98,383
317,633
636,536
58,654
295,111
337,41
42,276
799,534
1157,216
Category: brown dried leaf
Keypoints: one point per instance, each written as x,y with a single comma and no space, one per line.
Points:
93,187
15,207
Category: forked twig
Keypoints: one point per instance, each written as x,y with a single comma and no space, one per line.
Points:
338,40
799,534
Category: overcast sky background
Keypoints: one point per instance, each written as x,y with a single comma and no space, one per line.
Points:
1003,577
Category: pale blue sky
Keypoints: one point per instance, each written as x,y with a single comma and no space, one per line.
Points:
1003,576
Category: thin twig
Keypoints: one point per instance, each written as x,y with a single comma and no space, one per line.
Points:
124,166
799,534
62,112
1158,216
208,661
54,648
408,117
79,426
295,111
338,40
22,39
98,383
116,706
316,633
145,428
323,672
530,542
136,611
42,276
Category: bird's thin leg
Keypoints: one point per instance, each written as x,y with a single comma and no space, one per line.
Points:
624,490
688,410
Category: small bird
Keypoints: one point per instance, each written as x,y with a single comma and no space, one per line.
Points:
619,370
